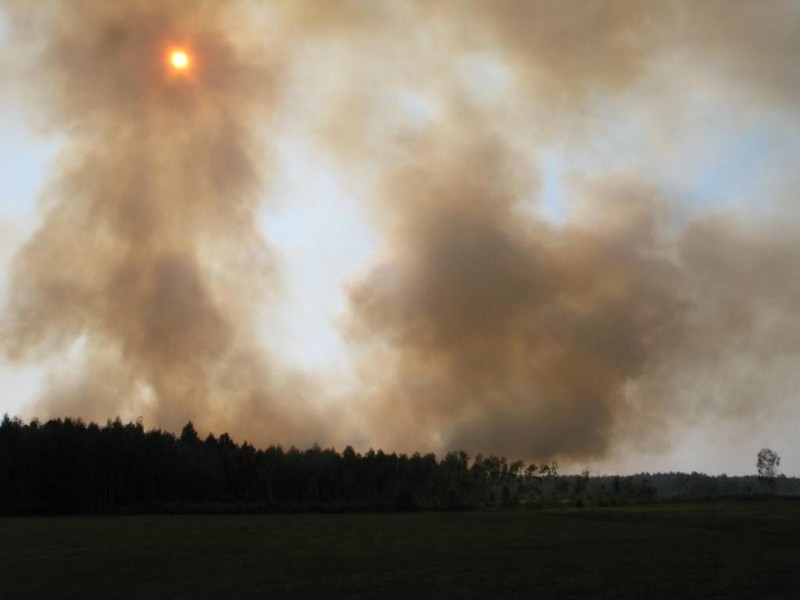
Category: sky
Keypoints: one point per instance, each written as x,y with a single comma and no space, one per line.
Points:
544,230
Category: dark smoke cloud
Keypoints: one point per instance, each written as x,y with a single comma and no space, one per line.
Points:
479,324
509,334
491,329
148,255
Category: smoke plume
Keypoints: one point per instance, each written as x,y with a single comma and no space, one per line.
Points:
148,256
480,323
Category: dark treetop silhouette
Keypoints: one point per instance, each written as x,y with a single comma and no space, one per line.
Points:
67,466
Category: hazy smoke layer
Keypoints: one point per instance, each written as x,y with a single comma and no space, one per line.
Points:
480,324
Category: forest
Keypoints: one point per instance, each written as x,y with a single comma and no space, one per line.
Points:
66,466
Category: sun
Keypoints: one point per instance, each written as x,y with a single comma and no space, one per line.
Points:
180,60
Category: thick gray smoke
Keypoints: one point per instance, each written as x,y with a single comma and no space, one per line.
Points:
479,324
149,256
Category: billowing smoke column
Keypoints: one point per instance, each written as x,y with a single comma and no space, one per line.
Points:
492,329
148,257
509,334
479,324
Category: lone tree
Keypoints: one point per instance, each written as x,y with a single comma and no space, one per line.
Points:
767,464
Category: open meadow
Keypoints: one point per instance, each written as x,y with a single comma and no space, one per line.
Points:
724,549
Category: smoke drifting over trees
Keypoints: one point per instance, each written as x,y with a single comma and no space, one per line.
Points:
149,254
479,323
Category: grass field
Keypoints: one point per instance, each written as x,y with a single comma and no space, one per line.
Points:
705,550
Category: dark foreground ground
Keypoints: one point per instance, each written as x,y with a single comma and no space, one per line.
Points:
708,550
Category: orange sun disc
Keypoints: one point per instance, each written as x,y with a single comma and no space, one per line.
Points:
179,60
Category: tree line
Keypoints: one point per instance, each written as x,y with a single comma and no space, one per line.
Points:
68,466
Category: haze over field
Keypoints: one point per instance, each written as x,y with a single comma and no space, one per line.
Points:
539,229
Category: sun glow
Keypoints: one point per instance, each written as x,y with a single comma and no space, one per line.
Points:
180,60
